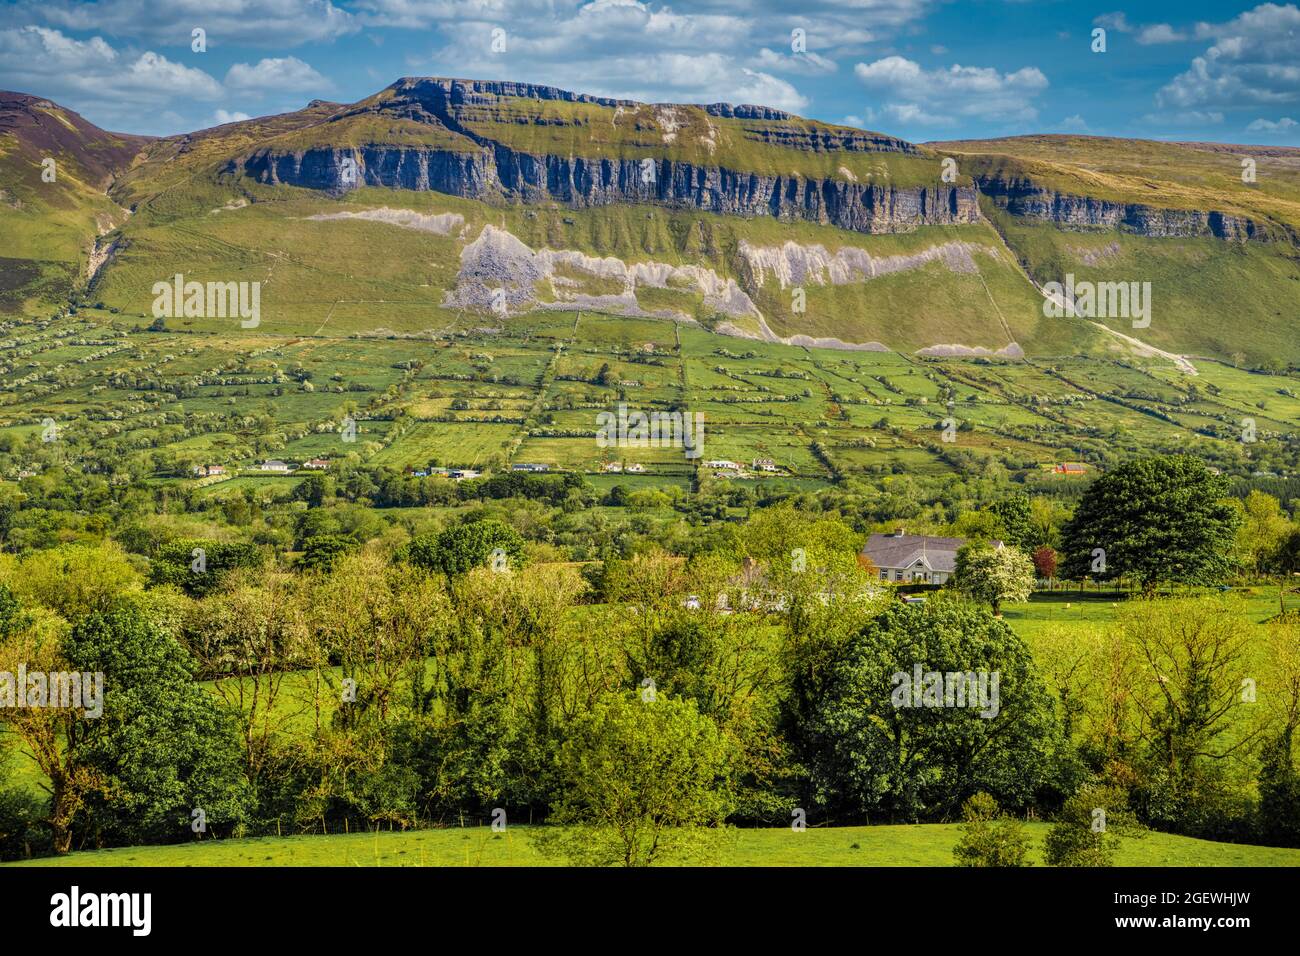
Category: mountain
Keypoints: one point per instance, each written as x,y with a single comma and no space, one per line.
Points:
55,173
439,201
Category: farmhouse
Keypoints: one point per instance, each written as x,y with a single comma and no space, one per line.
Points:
317,464
721,463
1071,468
919,558
529,467
274,464
203,471
764,464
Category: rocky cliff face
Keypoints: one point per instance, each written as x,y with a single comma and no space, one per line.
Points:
494,171
1028,199
498,173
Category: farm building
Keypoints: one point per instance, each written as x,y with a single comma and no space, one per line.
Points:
918,558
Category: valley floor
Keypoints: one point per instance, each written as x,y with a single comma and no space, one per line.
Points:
919,845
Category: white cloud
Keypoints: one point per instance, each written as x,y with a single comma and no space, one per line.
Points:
941,95
911,113
92,76
1273,126
1159,33
648,50
1114,21
221,117
1183,118
1075,124
169,22
278,75
1254,61
805,63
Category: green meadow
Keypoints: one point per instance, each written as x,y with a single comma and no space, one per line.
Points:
878,846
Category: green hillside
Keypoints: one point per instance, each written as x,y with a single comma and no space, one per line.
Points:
920,845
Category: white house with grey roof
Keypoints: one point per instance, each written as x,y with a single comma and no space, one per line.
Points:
915,558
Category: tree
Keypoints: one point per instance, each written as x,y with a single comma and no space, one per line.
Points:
1158,519
471,544
75,580
1044,559
1087,831
199,566
874,750
642,782
994,575
320,552
1279,781
987,837
1264,527
1190,658
1015,517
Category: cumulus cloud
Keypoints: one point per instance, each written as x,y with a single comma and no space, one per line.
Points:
941,96
92,76
169,22
221,117
1273,126
620,48
280,75
1159,33
1253,61
1114,21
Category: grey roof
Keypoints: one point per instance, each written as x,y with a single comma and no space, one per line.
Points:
898,551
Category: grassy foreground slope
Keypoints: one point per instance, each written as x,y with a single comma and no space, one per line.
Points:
920,845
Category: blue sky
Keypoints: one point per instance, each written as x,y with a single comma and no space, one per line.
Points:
921,69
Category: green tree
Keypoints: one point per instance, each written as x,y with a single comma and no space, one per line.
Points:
319,553
1088,829
987,837
199,566
1015,518
995,575
471,544
876,745
1158,519
643,781
162,748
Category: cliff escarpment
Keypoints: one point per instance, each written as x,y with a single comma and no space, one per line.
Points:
1027,199
483,142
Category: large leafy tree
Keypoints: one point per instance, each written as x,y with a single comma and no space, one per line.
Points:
162,749
200,567
643,781
1157,519
869,759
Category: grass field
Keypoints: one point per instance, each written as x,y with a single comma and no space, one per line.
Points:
922,845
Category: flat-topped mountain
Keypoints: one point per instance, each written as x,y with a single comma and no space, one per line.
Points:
745,219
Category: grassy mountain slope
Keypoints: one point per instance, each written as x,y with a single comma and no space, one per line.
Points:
1229,299
51,212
